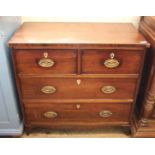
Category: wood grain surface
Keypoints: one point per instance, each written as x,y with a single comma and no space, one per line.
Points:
77,33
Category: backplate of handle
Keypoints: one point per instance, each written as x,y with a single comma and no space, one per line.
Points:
50,114
108,89
48,89
111,62
46,62
105,113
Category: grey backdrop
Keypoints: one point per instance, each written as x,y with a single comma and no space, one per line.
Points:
10,117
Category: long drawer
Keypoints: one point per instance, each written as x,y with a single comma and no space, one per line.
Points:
46,61
90,112
112,61
74,88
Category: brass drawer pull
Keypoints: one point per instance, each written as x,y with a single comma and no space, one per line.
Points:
50,114
105,113
111,62
46,62
48,89
108,89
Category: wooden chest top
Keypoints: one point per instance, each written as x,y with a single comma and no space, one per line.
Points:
36,33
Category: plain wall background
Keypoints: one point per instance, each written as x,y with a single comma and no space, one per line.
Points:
80,18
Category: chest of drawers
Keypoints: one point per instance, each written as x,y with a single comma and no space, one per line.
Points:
77,75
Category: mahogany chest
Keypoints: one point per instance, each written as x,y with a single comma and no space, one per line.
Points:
77,75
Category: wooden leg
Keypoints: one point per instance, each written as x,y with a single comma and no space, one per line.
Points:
142,128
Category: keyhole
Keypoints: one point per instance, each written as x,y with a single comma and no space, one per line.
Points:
78,82
77,106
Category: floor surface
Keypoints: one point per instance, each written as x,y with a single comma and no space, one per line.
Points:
102,133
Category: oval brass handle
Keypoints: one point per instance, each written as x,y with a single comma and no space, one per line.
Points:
105,113
50,114
46,62
108,89
111,62
48,89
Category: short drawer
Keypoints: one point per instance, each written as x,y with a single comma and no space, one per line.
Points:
74,88
45,61
111,61
61,112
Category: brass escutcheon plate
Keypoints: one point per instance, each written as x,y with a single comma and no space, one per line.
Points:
105,113
108,89
48,89
45,62
50,114
111,63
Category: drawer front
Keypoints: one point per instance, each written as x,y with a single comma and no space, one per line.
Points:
46,61
57,112
73,88
111,61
